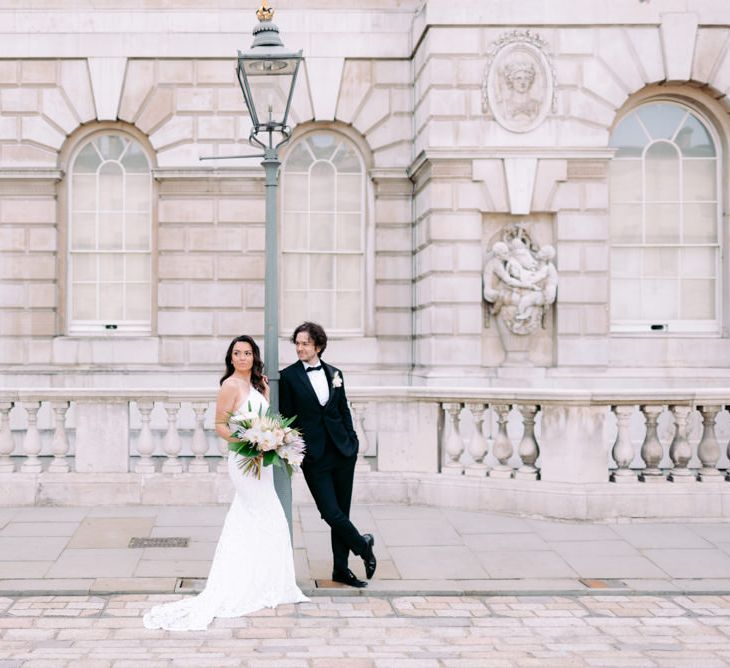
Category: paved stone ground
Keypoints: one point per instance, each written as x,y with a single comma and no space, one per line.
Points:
377,632
420,550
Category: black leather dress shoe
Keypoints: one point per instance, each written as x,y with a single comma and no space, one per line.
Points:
348,578
371,563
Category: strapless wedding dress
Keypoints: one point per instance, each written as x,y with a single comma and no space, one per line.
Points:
253,566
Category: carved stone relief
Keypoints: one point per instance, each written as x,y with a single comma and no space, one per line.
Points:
520,282
519,81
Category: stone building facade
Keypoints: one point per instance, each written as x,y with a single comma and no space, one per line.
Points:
424,131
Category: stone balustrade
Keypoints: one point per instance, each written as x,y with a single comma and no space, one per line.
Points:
531,437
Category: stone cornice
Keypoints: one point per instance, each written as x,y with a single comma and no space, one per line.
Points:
433,155
31,174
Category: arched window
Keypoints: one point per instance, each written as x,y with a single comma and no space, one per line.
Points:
322,234
665,222
110,236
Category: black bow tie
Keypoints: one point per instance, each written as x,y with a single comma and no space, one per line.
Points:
314,368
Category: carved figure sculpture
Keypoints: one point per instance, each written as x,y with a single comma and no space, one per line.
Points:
520,281
520,106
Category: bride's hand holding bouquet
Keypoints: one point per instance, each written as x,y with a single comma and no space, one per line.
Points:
263,439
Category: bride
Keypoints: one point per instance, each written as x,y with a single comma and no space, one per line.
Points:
253,566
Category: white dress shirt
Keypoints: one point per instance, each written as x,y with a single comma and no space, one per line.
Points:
319,383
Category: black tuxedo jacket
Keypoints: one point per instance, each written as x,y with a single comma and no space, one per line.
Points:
316,422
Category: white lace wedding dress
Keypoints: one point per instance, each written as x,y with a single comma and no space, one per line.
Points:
253,566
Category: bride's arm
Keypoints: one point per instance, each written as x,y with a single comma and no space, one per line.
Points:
225,405
266,392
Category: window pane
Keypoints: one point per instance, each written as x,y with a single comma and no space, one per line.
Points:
694,140
135,159
111,267
700,180
659,299
137,267
346,160
626,181
138,192
349,232
698,299
84,192
295,190
84,302
349,272
84,267
138,301
700,223
319,305
322,187
111,304
110,146
137,231
111,231
299,159
626,223
626,262
294,272
661,119
83,231
349,192
625,299
321,272
87,161
322,232
348,310
629,137
322,144
699,262
294,231
661,262
662,224
662,173
295,306
110,187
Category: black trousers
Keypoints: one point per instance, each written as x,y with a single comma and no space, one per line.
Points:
330,482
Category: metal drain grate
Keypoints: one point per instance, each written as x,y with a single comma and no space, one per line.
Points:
171,541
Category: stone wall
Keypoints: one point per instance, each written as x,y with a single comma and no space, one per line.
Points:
405,82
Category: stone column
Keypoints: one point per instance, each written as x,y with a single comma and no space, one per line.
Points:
102,436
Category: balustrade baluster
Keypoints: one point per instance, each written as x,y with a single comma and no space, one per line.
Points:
708,449
623,448
454,445
477,444
59,445
171,443
502,448
32,440
528,449
200,442
6,438
680,451
145,446
652,449
358,410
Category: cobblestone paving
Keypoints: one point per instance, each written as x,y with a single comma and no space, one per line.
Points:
376,632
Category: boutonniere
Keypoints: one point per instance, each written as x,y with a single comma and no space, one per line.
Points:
336,380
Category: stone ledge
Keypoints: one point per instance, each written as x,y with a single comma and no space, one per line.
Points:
591,502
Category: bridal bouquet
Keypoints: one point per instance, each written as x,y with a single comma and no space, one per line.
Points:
263,439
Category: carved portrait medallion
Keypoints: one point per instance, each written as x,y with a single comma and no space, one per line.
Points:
519,81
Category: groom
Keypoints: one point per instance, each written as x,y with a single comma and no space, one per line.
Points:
314,391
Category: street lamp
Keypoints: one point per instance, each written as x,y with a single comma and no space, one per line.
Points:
267,73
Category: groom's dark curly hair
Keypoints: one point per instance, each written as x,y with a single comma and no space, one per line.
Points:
316,333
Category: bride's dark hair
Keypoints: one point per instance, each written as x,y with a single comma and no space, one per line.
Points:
257,370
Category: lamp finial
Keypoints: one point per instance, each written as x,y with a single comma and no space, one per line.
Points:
264,13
